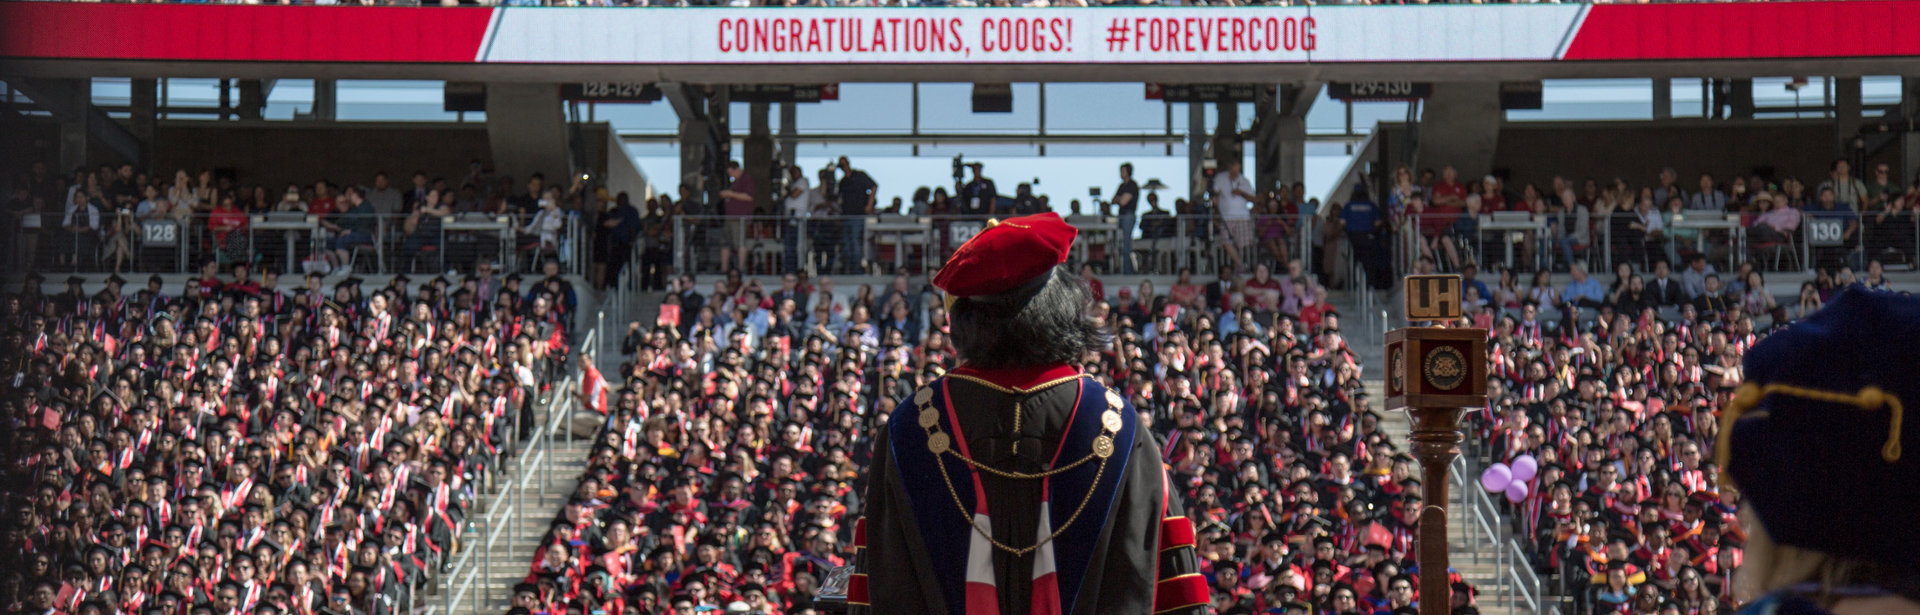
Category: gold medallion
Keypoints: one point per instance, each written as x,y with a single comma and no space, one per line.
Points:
1114,400
1111,421
938,443
1445,368
1103,447
929,418
923,396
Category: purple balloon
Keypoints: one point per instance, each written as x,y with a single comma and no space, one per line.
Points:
1517,492
1496,478
1524,468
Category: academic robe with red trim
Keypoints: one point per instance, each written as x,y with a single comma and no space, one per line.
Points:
1144,561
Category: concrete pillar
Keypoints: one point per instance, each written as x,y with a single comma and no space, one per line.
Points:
1280,135
527,129
325,100
720,117
1740,99
253,99
1460,126
1196,150
1846,116
1662,98
1910,140
141,120
1266,142
757,155
1292,135
73,119
789,134
1296,100
1226,134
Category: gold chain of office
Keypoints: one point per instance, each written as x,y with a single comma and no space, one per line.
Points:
941,444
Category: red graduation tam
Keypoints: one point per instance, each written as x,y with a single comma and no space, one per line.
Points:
1007,254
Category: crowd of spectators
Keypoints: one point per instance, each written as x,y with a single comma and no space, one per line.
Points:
1438,215
240,444
91,220
1136,230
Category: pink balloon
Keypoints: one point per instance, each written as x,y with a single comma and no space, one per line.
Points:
1524,467
1496,478
1517,492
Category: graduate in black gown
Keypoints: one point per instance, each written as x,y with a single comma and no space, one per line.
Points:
1017,484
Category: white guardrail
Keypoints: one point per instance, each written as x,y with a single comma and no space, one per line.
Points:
468,585
1513,571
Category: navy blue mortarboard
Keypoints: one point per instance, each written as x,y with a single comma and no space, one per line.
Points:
1814,437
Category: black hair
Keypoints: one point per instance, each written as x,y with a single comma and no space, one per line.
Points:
1029,326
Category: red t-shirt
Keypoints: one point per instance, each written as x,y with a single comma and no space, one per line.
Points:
741,207
224,221
321,206
1447,191
1312,314
1265,301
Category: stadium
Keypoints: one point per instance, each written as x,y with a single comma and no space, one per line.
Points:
597,307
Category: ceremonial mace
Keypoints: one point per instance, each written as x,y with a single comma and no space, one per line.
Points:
1435,373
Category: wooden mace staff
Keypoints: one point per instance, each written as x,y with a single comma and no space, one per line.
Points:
1435,373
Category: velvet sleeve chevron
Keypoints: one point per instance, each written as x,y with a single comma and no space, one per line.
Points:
857,597
1179,587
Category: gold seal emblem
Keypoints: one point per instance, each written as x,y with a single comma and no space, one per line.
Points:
1397,369
1111,421
1103,447
1114,400
1445,368
938,443
923,396
929,418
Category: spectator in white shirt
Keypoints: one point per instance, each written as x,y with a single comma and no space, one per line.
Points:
1231,193
799,204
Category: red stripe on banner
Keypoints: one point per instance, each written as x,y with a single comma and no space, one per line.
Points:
1176,532
241,33
1181,591
1862,28
857,589
860,533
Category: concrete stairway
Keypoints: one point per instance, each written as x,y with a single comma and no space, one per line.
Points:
518,526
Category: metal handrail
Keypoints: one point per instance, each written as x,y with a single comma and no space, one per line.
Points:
1518,566
288,238
1184,240
507,510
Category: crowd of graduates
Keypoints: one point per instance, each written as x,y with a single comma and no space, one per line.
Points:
1619,403
247,444
729,470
